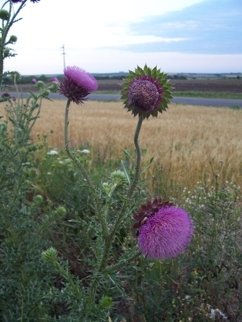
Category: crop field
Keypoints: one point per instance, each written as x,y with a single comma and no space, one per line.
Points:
183,85
188,144
208,85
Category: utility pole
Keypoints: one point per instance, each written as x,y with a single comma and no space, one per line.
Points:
64,56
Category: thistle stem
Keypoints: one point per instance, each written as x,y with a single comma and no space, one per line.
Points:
130,194
111,236
138,157
83,171
66,137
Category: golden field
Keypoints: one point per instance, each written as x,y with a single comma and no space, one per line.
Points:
188,143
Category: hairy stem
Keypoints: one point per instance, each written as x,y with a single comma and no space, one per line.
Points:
84,173
138,156
129,196
72,157
120,216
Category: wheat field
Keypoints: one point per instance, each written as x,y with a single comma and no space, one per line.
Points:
188,143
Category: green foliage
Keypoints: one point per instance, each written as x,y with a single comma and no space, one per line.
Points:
23,218
22,285
46,208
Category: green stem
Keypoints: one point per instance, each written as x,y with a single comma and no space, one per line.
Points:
78,164
130,194
109,239
123,262
138,157
84,173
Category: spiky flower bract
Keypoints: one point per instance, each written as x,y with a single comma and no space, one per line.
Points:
77,84
146,92
164,230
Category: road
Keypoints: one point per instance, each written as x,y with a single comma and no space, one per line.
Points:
218,102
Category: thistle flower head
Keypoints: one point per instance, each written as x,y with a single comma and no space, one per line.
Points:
13,39
146,92
4,14
164,230
54,80
6,97
77,84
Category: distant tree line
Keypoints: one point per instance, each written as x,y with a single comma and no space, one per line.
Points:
28,79
24,79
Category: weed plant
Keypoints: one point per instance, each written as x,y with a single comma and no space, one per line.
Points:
71,248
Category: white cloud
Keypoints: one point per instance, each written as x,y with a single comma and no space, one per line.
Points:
87,27
113,60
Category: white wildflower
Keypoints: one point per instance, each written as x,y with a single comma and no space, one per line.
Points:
85,151
217,313
52,152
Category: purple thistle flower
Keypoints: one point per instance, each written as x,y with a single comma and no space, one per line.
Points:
144,94
164,230
77,84
34,80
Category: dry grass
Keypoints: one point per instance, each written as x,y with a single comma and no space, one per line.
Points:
189,144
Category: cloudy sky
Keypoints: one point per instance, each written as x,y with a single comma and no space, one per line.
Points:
112,35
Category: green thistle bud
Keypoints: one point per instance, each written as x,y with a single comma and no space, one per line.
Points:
38,199
107,187
40,85
105,302
53,87
118,176
45,93
146,92
6,52
49,255
4,14
61,211
13,39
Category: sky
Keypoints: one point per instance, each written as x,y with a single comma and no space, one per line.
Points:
202,36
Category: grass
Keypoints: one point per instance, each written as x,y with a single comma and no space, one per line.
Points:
206,94
188,144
